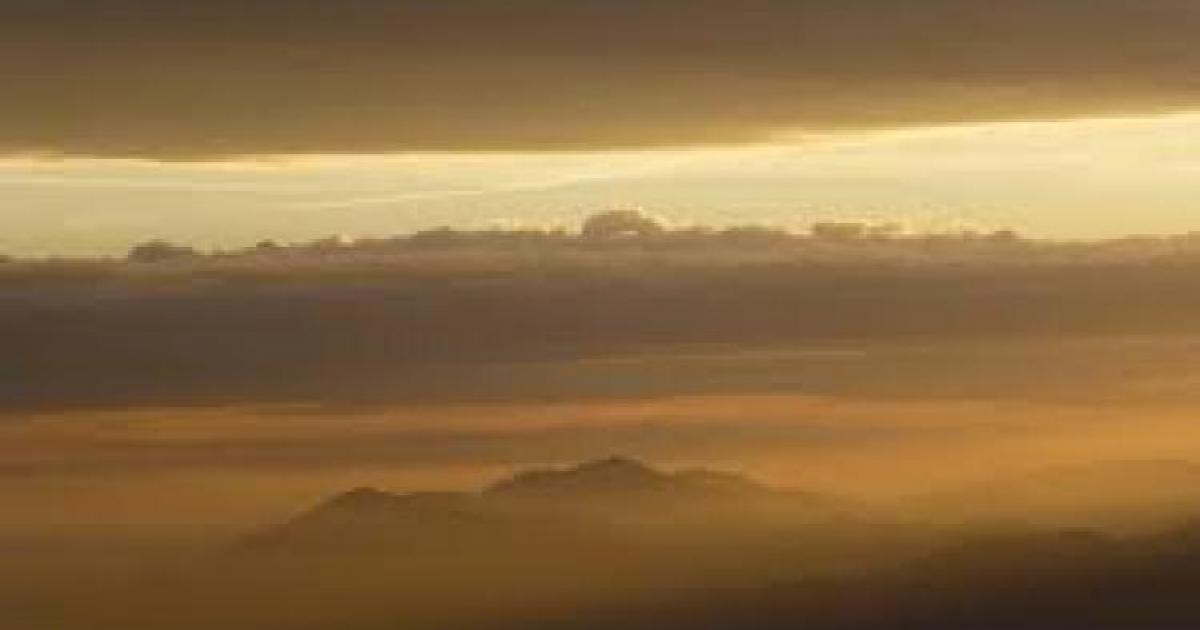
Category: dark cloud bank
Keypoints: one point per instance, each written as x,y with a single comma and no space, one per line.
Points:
536,316
188,80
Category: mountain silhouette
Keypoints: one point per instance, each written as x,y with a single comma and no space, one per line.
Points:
616,543
367,518
617,488
612,477
595,500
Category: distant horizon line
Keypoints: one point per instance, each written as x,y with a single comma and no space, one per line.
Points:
652,232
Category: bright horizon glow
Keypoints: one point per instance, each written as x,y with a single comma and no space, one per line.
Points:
1090,178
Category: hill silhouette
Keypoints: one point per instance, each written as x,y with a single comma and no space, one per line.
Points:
597,502
616,543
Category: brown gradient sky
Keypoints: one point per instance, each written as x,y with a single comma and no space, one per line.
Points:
221,123
233,390
184,80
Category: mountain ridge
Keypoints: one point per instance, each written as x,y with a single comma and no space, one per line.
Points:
594,499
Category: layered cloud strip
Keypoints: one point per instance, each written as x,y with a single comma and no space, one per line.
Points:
208,80
536,316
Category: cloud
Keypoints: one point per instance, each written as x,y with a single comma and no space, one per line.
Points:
205,80
542,183
517,316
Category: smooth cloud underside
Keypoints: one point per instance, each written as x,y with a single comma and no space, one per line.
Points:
201,80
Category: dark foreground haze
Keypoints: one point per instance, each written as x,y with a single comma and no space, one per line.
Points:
615,543
854,428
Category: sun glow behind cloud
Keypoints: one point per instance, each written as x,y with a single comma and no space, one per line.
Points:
1084,178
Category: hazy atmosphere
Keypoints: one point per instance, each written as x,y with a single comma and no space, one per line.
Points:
575,314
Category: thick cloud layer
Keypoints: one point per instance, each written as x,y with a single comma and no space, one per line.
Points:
479,322
187,80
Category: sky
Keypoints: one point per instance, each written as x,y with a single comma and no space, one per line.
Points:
222,123
1095,178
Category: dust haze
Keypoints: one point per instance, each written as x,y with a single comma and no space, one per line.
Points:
627,424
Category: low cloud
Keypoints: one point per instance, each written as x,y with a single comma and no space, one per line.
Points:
501,316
